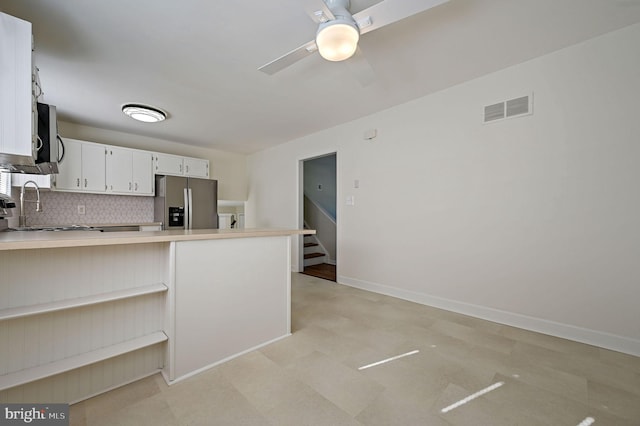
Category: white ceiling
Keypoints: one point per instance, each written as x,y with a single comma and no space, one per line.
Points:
198,60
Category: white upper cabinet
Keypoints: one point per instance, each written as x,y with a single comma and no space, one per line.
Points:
19,179
196,167
69,175
167,164
96,168
17,103
176,165
129,171
143,181
119,169
82,168
93,167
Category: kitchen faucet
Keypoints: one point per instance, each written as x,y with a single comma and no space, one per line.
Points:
22,219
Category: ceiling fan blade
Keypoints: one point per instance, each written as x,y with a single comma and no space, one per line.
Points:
361,68
318,11
289,58
389,11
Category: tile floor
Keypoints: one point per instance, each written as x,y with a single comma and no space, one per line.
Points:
313,377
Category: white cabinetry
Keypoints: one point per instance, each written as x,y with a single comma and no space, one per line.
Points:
167,164
129,171
196,167
143,182
104,307
96,168
119,168
17,106
43,181
175,165
83,167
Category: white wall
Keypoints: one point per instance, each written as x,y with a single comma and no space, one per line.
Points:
320,182
531,221
229,169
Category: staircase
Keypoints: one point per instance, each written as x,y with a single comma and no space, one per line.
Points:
314,253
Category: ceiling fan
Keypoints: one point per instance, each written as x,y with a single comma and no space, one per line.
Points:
339,31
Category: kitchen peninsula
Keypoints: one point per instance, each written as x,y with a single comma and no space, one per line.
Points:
83,312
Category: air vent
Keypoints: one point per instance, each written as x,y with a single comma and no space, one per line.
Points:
518,106
512,108
494,112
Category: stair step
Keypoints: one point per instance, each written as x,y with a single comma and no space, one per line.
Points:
310,244
312,255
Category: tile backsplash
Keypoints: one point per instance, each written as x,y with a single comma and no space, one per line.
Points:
61,208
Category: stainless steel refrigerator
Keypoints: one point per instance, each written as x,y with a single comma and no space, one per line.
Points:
186,203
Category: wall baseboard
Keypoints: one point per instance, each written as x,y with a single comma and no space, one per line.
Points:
169,382
565,331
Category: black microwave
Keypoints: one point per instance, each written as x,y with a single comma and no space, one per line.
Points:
50,145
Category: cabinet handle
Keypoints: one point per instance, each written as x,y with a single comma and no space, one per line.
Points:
129,186
85,182
187,167
180,168
78,182
135,188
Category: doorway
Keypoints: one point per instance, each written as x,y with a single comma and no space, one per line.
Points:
318,211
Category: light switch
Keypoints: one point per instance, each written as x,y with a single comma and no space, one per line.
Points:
351,200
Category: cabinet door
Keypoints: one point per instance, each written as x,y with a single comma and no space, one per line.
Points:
167,164
16,100
143,173
18,179
119,165
196,167
69,175
93,167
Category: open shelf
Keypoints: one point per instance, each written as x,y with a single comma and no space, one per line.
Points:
42,371
43,308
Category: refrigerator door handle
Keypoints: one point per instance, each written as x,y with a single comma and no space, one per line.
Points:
190,209
187,209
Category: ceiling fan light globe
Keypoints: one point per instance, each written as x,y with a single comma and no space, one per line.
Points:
337,41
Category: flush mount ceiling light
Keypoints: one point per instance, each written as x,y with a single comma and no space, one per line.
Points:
145,113
337,39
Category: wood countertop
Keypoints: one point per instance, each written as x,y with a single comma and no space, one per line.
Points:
22,240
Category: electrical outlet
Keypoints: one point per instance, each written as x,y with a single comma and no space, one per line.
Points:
81,209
